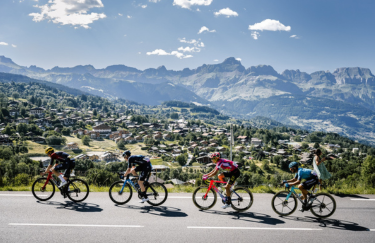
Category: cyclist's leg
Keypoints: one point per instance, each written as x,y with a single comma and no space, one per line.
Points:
221,177
304,191
233,175
141,179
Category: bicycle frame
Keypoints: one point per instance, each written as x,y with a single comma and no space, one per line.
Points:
293,191
212,185
131,184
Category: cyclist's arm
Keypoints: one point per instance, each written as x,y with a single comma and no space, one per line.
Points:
296,182
213,172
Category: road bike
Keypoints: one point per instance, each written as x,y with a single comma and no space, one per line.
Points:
76,189
205,197
321,205
121,191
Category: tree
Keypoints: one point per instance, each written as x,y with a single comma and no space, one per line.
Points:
316,145
181,159
368,171
94,112
86,140
174,116
121,144
55,140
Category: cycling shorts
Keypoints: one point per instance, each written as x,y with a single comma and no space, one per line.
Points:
233,175
67,165
310,182
145,170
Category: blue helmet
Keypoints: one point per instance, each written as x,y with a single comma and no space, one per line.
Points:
126,152
293,164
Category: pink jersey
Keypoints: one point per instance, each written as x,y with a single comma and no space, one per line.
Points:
226,165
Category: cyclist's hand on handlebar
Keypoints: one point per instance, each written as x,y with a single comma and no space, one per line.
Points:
42,173
204,177
287,185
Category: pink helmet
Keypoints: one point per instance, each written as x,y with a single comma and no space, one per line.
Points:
215,155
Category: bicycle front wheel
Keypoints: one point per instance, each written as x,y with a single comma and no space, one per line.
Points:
203,198
77,190
157,194
241,199
323,206
118,195
43,191
281,205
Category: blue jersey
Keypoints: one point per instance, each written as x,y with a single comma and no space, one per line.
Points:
305,174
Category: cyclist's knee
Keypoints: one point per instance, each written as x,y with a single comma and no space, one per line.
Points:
300,186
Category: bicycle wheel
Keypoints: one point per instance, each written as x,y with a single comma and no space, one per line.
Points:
157,194
77,190
41,192
282,206
124,196
323,206
241,199
201,200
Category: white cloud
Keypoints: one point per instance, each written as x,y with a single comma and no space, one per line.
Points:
204,28
238,59
129,17
3,44
69,12
198,10
144,6
271,25
154,1
13,45
294,36
139,53
161,52
216,60
120,14
188,3
194,42
189,49
255,34
227,12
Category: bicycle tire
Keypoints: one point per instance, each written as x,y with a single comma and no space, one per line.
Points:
115,189
280,195
321,205
37,188
199,193
77,188
234,201
154,194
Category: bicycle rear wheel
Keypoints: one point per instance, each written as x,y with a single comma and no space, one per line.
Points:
119,197
157,194
281,205
323,206
77,190
201,200
41,192
241,199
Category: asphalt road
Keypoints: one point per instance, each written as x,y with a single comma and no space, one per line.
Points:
98,219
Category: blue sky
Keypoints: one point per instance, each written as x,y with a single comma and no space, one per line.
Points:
309,35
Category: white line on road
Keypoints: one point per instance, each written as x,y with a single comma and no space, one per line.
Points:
179,197
21,195
249,228
78,225
371,229
362,199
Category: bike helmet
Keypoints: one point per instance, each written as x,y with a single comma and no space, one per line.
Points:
49,150
293,164
126,152
215,156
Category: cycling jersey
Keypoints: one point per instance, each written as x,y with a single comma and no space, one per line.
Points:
305,174
59,157
226,165
144,165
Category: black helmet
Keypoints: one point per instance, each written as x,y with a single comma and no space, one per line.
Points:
126,152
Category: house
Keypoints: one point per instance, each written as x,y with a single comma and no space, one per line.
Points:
72,145
256,141
14,113
355,150
129,139
119,134
39,140
239,148
108,157
243,139
37,112
204,159
158,137
94,157
159,168
43,122
81,156
68,121
167,136
212,145
22,120
102,129
4,139
204,143
138,138
94,135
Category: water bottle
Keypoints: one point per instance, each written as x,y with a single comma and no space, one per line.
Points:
137,186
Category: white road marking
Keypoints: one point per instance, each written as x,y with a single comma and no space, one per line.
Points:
77,225
179,197
362,199
21,195
249,228
371,229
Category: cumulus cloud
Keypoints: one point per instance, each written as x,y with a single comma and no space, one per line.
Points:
69,12
226,12
13,45
120,14
255,34
188,3
204,28
216,60
129,17
144,6
154,1
271,25
194,42
189,49
3,44
238,59
161,52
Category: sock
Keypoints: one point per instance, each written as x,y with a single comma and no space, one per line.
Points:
61,178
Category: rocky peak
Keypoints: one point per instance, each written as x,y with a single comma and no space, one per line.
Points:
296,76
354,75
262,70
121,68
6,60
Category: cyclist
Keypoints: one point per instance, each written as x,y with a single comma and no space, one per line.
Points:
66,164
309,175
230,170
144,165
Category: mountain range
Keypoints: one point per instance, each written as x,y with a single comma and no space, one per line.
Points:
342,101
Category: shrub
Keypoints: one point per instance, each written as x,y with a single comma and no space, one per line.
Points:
22,179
